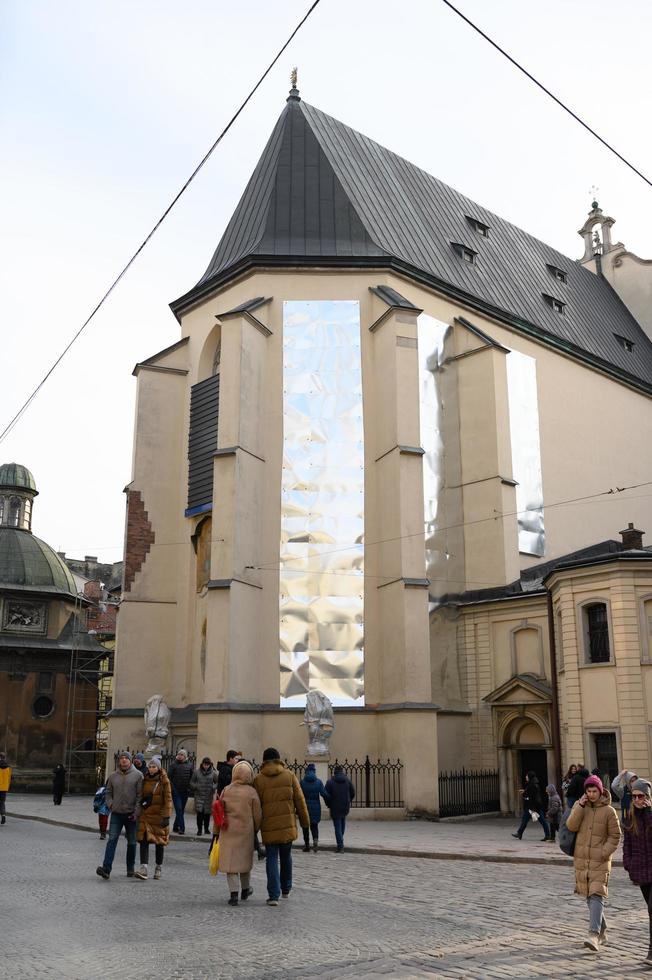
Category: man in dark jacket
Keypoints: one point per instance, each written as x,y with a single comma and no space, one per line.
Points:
225,769
180,774
339,793
532,803
123,794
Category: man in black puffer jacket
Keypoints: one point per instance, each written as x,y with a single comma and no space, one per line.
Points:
339,793
532,803
180,774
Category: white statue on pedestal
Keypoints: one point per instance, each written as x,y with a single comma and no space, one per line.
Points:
318,716
157,721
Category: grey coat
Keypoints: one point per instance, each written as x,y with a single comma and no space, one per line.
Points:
124,791
203,784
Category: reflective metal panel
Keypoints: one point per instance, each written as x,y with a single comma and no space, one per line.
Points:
526,451
431,334
321,601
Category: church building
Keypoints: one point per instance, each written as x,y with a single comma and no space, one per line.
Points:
388,459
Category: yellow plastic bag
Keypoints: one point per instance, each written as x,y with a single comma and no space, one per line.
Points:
214,857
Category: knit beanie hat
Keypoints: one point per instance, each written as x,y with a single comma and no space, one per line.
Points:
155,761
642,786
594,781
124,755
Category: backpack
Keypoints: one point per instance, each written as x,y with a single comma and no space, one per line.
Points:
566,837
99,799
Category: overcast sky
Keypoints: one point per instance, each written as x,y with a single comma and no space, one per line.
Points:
107,106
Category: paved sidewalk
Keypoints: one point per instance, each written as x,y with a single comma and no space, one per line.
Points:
488,839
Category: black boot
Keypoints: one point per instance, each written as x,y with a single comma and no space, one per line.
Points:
234,898
245,894
648,958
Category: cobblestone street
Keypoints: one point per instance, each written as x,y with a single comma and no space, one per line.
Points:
351,915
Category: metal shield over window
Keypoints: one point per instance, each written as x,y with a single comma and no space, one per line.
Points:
321,582
526,451
431,334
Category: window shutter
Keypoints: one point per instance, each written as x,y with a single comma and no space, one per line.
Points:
202,440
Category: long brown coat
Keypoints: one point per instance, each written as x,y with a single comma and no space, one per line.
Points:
149,828
598,835
244,814
282,800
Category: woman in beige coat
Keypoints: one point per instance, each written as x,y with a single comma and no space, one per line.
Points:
244,816
595,822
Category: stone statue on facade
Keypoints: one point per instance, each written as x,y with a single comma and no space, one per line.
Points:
157,722
318,716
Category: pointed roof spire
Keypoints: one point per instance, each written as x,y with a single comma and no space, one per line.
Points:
294,91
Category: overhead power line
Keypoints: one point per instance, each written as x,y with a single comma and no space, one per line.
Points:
23,408
551,95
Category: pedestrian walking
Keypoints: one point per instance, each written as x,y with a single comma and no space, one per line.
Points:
180,774
225,769
203,784
58,784
244,816
282,801
123,794
313,793
554,811
576,786
140,764
565,783
5,783
595,823
621,788
155,812
532,806
102,811
637,846
339,794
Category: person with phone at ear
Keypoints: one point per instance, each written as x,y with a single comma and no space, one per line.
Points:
637,846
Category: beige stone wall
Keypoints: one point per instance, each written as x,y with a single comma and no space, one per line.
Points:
631,277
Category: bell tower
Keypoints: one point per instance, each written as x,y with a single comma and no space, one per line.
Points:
17,492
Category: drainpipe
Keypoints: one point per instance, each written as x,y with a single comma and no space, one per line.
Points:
554,708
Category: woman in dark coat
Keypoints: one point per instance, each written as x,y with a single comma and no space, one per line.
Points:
532,803
58,784
313,791
204,784
576,786
637,846
339,795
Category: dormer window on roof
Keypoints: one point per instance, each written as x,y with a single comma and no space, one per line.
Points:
557,305
464,252
478,226
625,342
558,273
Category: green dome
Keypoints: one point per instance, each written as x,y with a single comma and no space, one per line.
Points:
17,477
26,562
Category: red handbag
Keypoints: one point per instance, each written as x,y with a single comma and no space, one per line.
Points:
219,814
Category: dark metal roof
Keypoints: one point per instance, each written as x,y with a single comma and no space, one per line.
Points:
323,193
27,563
14,475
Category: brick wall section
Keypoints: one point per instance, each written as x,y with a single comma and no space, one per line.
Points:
140,537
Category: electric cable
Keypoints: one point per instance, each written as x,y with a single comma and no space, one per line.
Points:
547,91
21,411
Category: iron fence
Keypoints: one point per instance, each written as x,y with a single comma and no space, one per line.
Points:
468,791
376,784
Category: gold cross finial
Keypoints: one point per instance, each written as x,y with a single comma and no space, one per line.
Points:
293,78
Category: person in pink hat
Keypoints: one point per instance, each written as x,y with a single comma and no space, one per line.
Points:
595,822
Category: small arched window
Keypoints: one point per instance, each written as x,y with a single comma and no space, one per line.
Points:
14,512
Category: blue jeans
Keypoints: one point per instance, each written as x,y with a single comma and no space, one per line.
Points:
278,883
118,821
339,826
525,819
179,800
